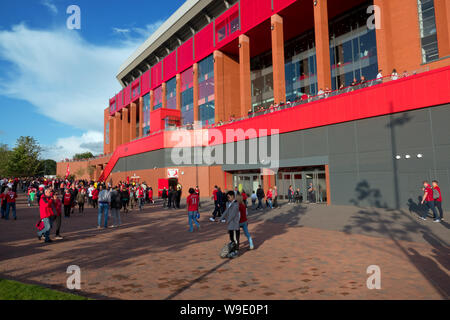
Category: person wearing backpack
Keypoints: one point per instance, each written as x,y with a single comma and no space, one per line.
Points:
116,204
437,195
104,200
232,216
428,200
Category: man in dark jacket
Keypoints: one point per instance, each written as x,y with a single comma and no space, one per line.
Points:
260,195
164,197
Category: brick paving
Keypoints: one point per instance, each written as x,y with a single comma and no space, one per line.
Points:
301,252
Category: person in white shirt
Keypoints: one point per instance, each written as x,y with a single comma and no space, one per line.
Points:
394,75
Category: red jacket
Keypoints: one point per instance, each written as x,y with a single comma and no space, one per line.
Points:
243,212
95,194
11,197
45,207
150,194
57,206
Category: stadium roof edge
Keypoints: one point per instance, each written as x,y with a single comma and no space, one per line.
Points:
180,17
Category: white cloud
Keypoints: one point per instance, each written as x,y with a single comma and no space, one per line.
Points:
66,78
149,29
51,6
67,147
121,31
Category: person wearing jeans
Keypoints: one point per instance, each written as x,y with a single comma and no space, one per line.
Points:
429,201
104,199
243,222
438,201
10,203
192,202
46,212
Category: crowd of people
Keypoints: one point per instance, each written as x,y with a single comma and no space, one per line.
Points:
57,198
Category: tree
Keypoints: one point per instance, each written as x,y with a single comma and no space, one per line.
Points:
23,160
47,167
84,155
4,156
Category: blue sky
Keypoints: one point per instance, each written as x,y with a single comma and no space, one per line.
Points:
55,82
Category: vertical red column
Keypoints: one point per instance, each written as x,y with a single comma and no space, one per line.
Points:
279,81
322,44
245,78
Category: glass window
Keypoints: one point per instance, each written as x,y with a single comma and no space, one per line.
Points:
146,115
428,35
171,93
234,25
353,48
300,67
222,33
157,97
206,90
262,80
187,97
136,91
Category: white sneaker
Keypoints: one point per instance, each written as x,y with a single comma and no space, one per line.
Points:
423,218
223,221
437,220
212,219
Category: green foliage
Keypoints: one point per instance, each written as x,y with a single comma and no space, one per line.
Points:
47,167
4,156
84,155
23,160
13,290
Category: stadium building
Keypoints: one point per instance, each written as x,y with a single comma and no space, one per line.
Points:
280,74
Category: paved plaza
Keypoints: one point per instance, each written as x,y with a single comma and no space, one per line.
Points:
306,251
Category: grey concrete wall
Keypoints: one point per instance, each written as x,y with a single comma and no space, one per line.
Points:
361,155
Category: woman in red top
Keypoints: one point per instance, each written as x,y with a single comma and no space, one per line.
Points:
46,212
67,201
150,195
95,198
243,223
10,203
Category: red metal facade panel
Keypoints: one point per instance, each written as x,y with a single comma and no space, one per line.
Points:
170,66
186,55
204,42
279,5
119,100
145,83
135,89
253,12
127,95
391,97
156,75
227,25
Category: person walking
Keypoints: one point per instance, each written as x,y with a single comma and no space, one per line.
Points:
192,208
243,223
140,197
3,202
297,196
67,201
290,194
164,196
11,196
232,217
275,197
217,204
104,200
428,200
150,195
437,195
116,204
178,195
260,195
253,197
269,199
45,212
81,198
57,208
95,193
124,198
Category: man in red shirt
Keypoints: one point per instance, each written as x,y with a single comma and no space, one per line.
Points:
428,200
192,204
10,203
438,201
216,204
67,201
